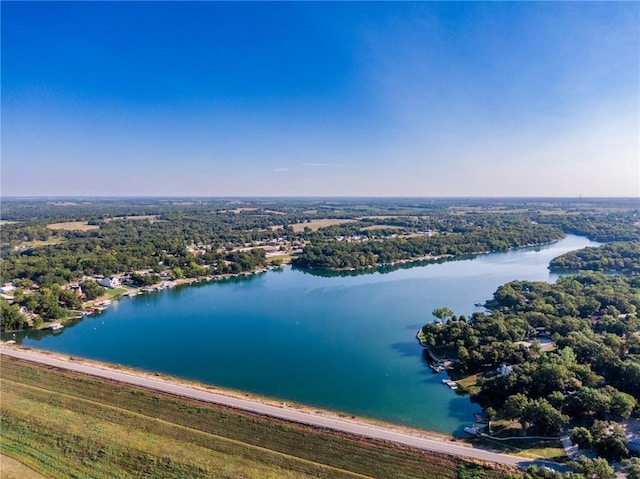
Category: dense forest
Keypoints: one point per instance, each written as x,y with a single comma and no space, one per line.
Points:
620,257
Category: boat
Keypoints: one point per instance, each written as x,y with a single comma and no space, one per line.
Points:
472,430
56,327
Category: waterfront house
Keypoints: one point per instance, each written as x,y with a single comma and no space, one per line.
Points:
110,282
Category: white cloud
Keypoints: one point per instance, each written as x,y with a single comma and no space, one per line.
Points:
328,165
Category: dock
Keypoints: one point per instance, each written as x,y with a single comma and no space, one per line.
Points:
450,383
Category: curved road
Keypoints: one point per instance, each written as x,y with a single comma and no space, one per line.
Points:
338,424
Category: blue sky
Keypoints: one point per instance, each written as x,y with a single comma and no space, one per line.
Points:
321,99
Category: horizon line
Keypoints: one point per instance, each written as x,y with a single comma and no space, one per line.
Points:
222,197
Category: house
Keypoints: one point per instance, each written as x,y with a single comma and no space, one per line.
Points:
7,288
541,331
110,282
504,370
76,289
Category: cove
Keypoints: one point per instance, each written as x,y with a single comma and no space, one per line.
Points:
344,343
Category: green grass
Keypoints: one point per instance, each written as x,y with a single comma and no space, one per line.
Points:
115,293
469,384
550,449
64,424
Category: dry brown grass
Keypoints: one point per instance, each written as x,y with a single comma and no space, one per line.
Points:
317,224
73,226
12,469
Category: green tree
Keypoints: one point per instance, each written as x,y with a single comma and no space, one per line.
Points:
633,467
597,468
582,437
92,290
514,408
622,405
11,319
545,418
69,299
610,440
442,313
177,272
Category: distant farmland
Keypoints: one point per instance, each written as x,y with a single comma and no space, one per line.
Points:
317,224
73,226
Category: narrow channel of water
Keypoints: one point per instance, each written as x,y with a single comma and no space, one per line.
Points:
345,343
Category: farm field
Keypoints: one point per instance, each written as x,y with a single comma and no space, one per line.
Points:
73,226
63,424
317,224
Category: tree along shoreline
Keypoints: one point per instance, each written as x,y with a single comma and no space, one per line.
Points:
420,260
103,302
375,254
552,356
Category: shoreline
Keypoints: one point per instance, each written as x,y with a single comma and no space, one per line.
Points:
102,303
429,259
269,407
228,392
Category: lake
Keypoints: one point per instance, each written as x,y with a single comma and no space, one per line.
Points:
345,343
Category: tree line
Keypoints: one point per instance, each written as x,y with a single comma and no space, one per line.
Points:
362,254
589,378
619,257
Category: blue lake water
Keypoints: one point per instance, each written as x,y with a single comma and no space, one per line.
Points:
345,343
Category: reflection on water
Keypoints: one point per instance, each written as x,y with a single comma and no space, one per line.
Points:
339,341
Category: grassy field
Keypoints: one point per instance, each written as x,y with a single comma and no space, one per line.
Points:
63,424
112,294
73,226
535,448
317,224
547,449
469,384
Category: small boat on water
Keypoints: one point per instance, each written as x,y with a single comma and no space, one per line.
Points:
472,430
56,327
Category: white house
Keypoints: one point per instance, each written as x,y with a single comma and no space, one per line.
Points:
110,282
7,288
